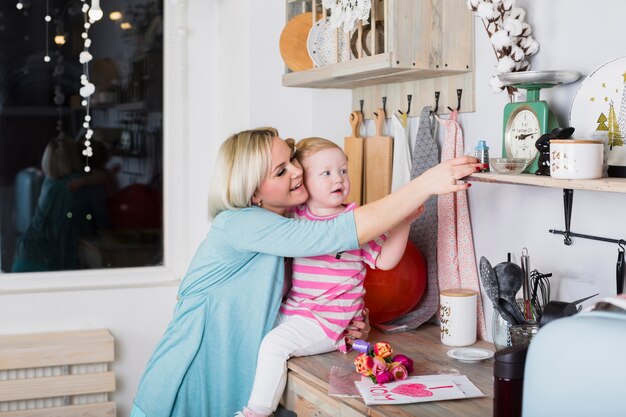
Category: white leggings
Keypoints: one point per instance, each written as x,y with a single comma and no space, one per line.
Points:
292,336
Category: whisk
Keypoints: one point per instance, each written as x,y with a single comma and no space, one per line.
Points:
540,295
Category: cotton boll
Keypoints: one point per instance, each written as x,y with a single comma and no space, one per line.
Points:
526,29
473,4
501,39
508,4
517,53
533,48
512,26
522,66
505,65
518,13
529,45
487,11
496,84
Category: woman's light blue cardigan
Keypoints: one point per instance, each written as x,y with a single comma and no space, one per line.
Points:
204,365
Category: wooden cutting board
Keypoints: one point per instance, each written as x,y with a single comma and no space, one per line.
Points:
353,148
378,163
293,42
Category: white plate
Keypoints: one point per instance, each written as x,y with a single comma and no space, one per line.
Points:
539,77
600,106
324,44
470,354
311,42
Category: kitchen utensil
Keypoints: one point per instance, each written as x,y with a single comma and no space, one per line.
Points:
540,295
513,310
353,147
508,165
542,77
557,309
596,112
331,44
293,42
489,280
576,159
367,39
378,162
525,260
510,278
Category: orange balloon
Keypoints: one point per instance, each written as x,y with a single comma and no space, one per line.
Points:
390,294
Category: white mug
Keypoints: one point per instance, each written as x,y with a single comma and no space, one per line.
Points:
458,317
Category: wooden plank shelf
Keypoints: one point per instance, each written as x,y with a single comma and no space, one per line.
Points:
613,185
366,71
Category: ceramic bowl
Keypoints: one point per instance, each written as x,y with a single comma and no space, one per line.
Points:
508,165
576,159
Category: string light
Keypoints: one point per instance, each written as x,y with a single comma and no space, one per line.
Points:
95,12
90,15
115,15
19,5
47,19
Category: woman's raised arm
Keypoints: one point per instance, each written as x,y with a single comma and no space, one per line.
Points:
375,218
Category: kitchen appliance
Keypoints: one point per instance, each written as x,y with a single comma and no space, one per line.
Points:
526,121
575,367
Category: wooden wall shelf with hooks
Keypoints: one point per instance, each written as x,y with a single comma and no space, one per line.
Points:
425,46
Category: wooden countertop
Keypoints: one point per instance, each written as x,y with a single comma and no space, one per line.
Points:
430,355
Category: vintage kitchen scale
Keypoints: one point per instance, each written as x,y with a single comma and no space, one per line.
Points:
526,121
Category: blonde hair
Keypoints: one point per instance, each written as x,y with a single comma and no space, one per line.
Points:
60,158
309,146
243,161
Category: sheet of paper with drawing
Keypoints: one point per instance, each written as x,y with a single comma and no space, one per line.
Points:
418,389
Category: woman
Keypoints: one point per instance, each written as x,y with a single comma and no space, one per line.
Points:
229,299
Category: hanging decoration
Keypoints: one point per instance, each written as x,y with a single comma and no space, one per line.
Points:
510,37
346,13
91,15
47,19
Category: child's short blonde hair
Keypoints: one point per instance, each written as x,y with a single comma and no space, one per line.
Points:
309,146
60,158
243,161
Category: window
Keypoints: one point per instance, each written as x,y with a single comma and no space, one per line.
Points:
81,175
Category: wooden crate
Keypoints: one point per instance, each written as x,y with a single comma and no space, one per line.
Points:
60,374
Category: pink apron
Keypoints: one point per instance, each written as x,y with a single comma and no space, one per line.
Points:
456,262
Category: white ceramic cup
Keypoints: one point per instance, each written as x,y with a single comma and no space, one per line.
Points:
576,159
458,317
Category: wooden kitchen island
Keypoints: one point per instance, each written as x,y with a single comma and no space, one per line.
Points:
307,384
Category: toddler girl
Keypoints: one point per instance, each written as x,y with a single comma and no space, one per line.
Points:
327,291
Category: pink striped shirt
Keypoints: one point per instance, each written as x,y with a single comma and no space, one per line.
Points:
329,288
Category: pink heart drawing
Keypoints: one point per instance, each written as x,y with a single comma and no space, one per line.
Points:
412,390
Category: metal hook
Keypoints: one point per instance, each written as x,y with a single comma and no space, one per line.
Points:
459,94
361,103
621,244
385,104
408,110
437,95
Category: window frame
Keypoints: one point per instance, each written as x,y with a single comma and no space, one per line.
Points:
175,139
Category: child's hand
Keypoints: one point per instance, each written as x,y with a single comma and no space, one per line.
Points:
358,329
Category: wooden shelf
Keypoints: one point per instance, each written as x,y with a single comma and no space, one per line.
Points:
613,185
366,71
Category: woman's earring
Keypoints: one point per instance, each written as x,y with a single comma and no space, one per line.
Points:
259,204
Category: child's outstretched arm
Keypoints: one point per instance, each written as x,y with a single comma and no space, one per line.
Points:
394,246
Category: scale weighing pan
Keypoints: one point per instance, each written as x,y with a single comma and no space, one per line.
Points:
539,77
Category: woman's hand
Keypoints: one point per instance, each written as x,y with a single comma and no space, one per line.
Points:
444,178
358,329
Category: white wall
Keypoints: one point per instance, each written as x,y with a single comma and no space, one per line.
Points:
234,79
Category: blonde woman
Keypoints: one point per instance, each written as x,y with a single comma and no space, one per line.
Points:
229,299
